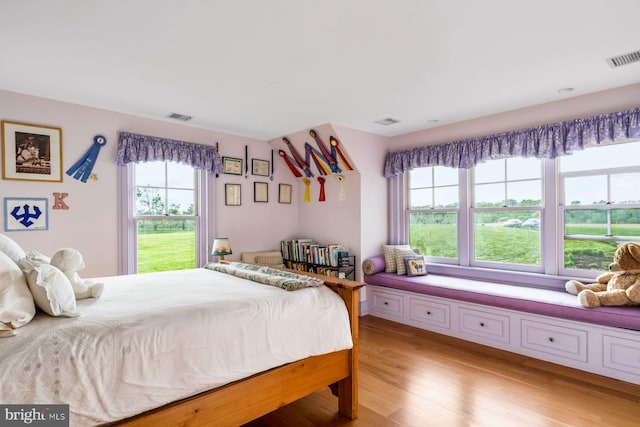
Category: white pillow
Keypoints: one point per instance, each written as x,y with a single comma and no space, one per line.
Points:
35,258
400,254
16,303
51,290
11,248
390,258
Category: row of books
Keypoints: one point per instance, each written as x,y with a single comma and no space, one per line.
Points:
327,271
306,250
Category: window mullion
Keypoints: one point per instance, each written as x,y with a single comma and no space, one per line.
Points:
465,240
506,194
166,188
550,217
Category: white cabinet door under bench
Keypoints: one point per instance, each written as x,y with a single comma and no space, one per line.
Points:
613,352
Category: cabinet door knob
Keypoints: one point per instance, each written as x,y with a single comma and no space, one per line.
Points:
482,324
386,303
429,313
551,339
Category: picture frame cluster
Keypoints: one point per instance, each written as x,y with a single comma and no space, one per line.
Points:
259,167
30,152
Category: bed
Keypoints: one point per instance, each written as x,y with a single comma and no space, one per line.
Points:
147,351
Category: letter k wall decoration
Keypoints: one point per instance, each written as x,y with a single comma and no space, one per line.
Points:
25,214
58,201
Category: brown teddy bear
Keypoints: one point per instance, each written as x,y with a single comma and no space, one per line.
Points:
620,286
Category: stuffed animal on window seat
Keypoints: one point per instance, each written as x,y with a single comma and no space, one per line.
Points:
70,261
620,286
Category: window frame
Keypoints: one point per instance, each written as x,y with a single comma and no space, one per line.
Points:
127,220
608,206
553,274
473,209
410,210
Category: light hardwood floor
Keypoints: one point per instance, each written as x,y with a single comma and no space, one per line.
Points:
411,377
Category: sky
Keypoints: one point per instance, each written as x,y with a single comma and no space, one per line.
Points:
179,178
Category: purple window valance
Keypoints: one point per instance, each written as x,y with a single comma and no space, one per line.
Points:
133,148
544,142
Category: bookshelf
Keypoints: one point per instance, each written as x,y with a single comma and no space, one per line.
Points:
306,255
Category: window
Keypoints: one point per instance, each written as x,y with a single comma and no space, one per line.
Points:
433,212
165,217
505,215
600,205
562,217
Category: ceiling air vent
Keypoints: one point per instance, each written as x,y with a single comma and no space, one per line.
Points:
182,117
386,122
624,59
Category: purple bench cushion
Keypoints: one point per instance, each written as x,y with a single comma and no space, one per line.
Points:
531,300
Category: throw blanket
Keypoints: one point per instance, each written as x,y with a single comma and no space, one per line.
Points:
267,275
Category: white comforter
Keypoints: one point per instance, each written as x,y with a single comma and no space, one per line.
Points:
154,338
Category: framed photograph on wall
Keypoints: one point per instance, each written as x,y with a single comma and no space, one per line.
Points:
26,214
259,167
284,193
31,152
261,192
232,165
232,195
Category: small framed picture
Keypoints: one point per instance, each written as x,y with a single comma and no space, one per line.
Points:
232,165
415,266
232,195
284,193
26,214
259,167
31,152
260,192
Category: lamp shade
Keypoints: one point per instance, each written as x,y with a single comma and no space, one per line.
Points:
221,247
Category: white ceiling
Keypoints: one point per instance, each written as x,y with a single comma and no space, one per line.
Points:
268,68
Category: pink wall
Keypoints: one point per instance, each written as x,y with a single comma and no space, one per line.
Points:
332,220
256,226
359,221
368,152
90,225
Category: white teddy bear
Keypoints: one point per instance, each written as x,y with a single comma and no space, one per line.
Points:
69,261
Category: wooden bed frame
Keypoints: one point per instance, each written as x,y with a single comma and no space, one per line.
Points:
245,400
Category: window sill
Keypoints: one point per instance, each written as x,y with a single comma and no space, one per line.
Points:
534,280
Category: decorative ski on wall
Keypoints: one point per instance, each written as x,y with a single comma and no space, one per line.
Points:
326,159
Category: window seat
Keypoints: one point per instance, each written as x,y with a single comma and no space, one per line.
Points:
545,302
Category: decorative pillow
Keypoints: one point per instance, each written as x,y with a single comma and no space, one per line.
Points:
35,258
16,303
52,290
389,257
373,265
415,266
270,260
400,254
11,248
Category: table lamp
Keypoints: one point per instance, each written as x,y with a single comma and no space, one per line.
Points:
221,247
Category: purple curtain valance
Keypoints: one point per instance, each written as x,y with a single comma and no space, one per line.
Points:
133,148
544,142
